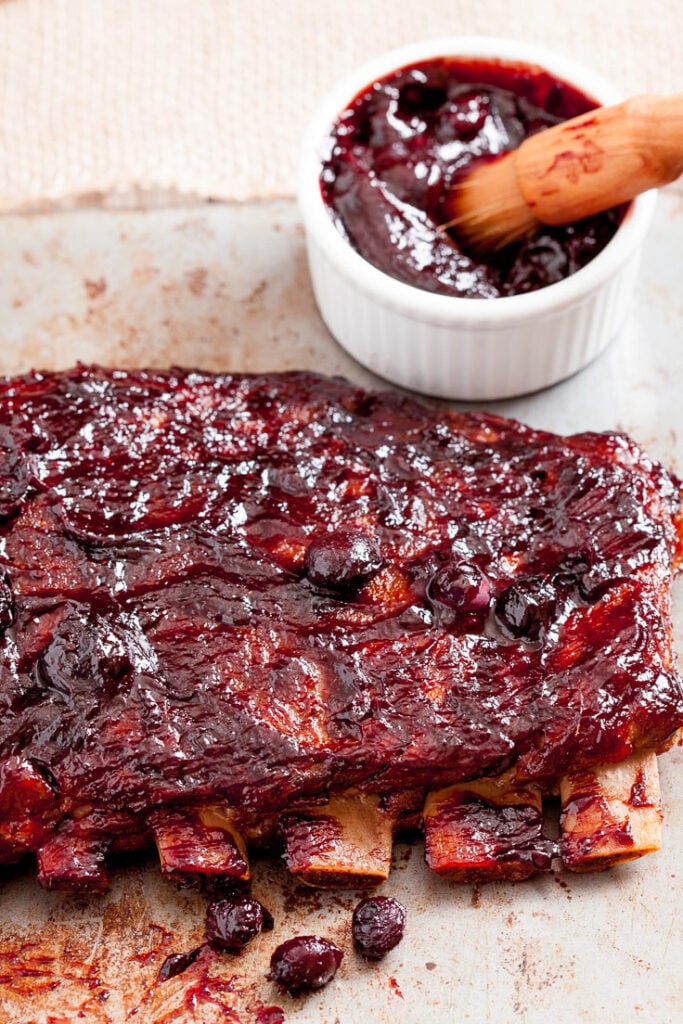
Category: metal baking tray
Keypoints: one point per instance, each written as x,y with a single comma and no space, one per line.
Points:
226,287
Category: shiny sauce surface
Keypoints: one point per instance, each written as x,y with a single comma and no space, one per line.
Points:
162,639
395,153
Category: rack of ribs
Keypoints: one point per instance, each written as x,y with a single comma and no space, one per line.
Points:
282,610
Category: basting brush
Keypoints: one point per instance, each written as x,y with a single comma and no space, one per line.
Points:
570,171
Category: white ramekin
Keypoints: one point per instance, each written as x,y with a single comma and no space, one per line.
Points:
471,349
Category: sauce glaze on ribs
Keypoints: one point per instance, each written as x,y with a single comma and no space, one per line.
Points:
243,591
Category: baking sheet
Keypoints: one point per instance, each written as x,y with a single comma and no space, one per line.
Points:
224,287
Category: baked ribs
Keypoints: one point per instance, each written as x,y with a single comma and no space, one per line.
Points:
281,609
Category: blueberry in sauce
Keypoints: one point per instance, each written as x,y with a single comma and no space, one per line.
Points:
233,922
378,925
461,586
342,558
524,610
304,964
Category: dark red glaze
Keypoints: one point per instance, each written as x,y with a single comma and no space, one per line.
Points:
394,155
192,849
595,824
304,964
233,922
6,605
639,795
176,963
308,838
495,839
72,861
168,649
378,925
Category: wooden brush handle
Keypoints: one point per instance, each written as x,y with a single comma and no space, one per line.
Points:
602,158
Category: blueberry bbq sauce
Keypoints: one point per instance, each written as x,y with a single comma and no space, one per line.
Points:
405,141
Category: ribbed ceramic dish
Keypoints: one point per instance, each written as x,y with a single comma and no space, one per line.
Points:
469,349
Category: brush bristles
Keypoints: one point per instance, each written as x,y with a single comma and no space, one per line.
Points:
487,208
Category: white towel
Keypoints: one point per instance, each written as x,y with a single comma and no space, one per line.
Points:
151,100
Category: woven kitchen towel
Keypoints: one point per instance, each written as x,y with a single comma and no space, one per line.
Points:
151,99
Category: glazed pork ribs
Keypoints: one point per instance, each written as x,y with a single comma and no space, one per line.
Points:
238,611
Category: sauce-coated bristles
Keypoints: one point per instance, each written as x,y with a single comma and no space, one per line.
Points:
487,208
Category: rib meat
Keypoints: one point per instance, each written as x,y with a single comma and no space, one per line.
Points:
233,592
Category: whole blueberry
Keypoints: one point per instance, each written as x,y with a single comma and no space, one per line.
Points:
342,558
233,922
378,925
461,586
595,582
524,610
304,964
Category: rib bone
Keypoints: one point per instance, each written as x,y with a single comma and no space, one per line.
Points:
345,843
200,841
485,830
610,814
